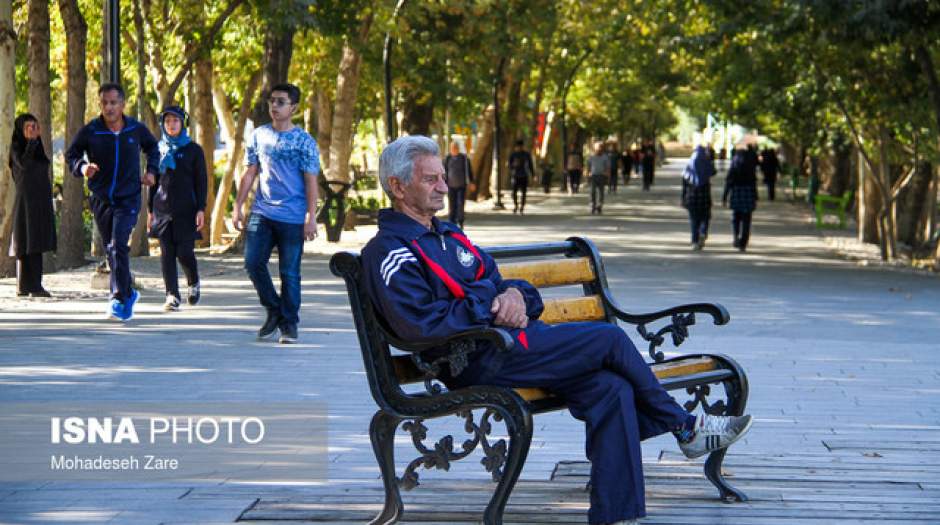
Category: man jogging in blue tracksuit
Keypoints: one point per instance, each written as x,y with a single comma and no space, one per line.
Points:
107,152
428,280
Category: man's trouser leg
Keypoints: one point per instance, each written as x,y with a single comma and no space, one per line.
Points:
290,250
259,241
115,223
606,383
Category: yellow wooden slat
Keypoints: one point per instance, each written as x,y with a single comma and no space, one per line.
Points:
543,274
662,371
573,309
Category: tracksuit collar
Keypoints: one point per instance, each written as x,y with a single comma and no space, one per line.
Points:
399,224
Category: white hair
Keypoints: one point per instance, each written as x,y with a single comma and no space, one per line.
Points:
398,159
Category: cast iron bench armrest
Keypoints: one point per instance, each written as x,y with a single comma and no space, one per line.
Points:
498,336
682,317
719,314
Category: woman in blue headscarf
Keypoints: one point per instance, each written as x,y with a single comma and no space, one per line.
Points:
697,194
177,205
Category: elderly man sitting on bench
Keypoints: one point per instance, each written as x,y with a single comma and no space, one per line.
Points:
428,281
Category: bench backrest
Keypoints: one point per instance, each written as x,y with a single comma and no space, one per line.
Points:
575,261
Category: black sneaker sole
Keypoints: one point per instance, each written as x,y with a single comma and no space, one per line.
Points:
268,337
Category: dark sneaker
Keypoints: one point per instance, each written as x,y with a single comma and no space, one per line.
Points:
288,333
172,303
42,292
129,303
713,433
268,330
116,310
194,295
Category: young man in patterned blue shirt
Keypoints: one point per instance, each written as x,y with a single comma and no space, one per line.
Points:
285,160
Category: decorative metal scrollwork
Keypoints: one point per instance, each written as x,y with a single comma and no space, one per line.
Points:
456,359
442,453
699,395
679,328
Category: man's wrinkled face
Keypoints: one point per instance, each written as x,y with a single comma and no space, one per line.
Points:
427,189
112,105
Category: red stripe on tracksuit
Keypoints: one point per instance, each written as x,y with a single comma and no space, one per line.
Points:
455,289
466,242
449,281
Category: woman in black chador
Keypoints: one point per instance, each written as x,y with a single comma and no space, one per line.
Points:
741,185
177,205
33,215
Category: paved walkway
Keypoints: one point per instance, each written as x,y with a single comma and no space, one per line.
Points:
843,362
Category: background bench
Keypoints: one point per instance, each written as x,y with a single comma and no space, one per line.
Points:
827,205
574,266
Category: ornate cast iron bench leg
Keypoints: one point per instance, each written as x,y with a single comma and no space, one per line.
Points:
382,435
737,390
519,426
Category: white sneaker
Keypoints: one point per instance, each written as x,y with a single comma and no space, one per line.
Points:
172,304
715,432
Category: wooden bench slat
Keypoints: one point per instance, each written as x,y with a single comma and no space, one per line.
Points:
662,371
543,274
573,309
407,373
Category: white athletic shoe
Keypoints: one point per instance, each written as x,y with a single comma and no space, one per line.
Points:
715,432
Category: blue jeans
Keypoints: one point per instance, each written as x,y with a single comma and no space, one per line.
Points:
116,221
263,235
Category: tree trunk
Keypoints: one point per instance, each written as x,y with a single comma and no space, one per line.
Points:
913,203
868,198
417,114
205,134
71,243
234,161
347,84
278,49
324,127
7,115
481,162
40,96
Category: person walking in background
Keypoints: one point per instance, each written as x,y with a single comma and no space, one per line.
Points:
548,172
741,185
613,157
520,168
107,152
627,159
575,166
459,175
770,166
286,161
599,168
177,205
648,154
33,214
697,195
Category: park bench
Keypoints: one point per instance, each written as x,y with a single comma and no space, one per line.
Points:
573,264
829,205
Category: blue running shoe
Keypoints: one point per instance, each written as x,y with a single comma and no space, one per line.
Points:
129,305
116,310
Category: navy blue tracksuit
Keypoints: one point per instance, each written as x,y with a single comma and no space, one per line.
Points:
115,189
433,283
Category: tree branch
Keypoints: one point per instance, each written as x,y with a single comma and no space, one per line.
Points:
203,46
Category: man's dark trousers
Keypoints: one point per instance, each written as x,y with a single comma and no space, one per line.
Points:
606,383
116,221
456,197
